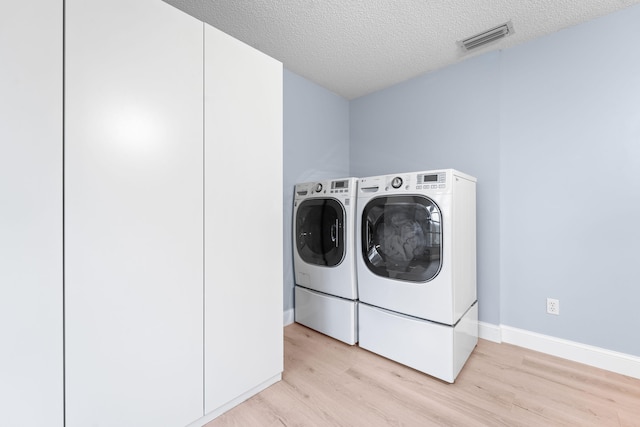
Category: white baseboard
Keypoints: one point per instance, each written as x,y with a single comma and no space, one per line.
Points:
489,332
613,361
288,317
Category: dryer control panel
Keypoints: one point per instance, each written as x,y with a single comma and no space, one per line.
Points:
426,182
431,181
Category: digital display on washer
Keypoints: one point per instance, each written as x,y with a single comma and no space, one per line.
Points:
429,178
339,184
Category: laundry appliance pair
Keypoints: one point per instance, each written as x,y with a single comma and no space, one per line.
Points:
410,240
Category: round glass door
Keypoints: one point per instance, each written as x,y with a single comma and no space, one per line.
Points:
320,232
402,237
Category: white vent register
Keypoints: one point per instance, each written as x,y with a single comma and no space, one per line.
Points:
486,37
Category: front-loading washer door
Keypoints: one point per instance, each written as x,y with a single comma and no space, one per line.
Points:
402,237
320,232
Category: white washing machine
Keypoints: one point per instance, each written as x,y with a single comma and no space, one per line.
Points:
326,291
416,266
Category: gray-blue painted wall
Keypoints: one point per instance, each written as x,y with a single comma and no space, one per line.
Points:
551,129
570,180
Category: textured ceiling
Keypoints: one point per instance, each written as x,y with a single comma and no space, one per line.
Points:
355,47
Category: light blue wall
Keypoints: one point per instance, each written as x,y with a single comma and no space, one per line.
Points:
316,146
445,119
551,129
570,175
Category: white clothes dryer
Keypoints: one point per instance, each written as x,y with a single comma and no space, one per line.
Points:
416,265
324,257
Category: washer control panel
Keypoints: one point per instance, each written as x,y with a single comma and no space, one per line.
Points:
341,186
337,188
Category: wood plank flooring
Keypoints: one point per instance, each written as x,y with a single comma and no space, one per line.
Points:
328,383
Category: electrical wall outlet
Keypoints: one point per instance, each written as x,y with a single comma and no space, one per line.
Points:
553,306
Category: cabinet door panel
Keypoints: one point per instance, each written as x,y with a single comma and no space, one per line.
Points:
133,214
243,218
31,365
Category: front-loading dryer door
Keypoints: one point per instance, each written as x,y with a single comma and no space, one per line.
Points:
320,232
402,237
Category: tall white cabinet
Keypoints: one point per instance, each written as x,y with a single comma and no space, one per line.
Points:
141,219
31,331
133,214
243,220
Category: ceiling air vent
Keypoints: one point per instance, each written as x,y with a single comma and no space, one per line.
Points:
486,37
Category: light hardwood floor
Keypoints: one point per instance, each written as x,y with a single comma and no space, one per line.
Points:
328,383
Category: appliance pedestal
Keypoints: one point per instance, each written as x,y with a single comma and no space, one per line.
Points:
433,348
333,316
